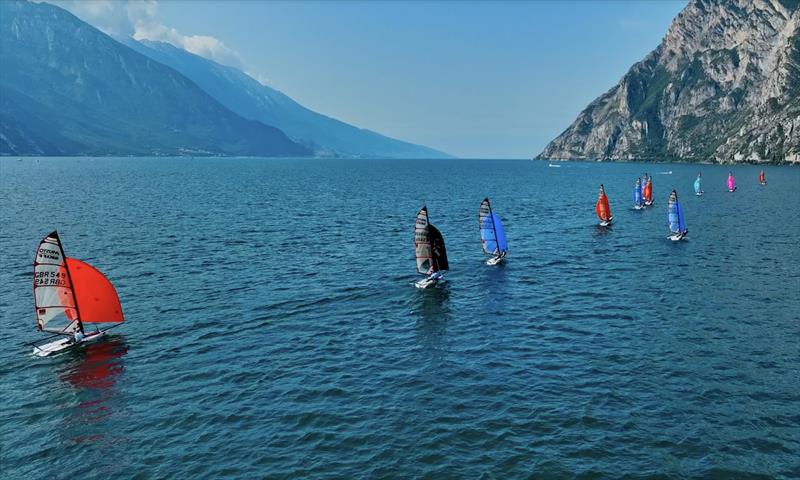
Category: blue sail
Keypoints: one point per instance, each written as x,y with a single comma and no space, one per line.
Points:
681,224
674,217
637,195
502,243
697,185
493,235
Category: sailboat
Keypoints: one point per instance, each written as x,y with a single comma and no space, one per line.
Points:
647,193
762,179
602,208
68,295
493,236
731,182
638,199
698,188
677,227
430,251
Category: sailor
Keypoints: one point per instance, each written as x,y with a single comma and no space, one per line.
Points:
77,336
434,276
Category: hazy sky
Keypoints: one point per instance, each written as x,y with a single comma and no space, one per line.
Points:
475,79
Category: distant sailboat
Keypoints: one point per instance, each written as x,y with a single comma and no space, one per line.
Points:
603,209
68,294
677,227
493,236
731,182
638,198
430,251
647,193
762,179
698,188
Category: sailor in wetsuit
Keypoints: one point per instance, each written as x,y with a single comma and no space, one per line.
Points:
77,336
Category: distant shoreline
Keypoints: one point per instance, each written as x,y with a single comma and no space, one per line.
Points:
549,160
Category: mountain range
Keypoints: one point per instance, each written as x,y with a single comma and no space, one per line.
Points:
723,86
66,88
247,97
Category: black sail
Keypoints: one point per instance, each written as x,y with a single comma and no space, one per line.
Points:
438,250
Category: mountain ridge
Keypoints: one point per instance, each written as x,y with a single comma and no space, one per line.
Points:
722,86
66,88
250,99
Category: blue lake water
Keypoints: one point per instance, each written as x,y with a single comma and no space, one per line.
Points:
273,329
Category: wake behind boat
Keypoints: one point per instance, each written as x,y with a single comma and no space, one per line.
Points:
68,294
602,208
430,251
493,235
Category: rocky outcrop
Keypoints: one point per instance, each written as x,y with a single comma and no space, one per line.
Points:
723,86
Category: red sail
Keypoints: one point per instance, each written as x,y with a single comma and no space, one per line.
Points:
602,208
96,298
648,191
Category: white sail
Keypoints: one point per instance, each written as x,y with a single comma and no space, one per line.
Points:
54,299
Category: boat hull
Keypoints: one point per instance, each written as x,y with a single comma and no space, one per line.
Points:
676,237
495,260
64,344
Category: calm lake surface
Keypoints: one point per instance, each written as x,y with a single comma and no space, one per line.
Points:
273,329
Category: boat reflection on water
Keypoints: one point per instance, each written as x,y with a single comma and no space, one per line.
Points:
93,372
97,366
431,307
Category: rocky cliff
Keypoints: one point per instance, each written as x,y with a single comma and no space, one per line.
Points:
723,86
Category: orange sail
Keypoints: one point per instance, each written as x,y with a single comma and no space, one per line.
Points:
648,191
602,208
95,296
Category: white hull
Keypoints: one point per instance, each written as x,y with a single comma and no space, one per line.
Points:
699,194
675,237
648,204
605,223
63,344
638,207
425,283
495,260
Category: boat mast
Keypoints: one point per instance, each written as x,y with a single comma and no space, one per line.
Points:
72,285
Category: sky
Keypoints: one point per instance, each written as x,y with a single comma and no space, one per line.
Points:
474,79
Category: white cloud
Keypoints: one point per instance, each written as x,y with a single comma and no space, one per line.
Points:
107,15
140,19
262,79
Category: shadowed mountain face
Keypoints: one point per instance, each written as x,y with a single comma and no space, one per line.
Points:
68,89
250,99
723,86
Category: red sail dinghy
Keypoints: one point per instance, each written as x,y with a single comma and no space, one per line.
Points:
69,295
602,208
